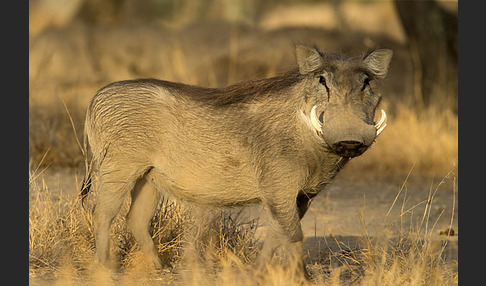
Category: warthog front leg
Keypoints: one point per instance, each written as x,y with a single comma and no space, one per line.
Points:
284,230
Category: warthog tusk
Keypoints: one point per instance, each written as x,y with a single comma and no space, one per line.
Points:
381,124
314,120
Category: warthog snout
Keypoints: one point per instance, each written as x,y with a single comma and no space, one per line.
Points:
347,136
350,142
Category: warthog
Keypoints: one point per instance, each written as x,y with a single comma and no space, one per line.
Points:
277,141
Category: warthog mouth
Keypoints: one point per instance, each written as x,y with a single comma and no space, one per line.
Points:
379,126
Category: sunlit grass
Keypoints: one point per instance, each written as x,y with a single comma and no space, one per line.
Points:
222,250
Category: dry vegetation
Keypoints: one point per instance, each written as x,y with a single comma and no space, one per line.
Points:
68,63
218,248
426,141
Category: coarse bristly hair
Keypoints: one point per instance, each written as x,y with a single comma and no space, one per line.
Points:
236,93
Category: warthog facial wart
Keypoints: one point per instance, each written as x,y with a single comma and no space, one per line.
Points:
250,142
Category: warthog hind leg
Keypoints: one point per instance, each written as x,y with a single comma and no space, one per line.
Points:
113,188
144,201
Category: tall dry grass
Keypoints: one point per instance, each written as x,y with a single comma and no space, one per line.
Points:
425,140
218,247
54,133
61,238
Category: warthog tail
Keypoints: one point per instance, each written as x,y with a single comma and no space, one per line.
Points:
85,188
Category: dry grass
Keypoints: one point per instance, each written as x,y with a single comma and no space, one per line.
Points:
425,140
61,239
52,139
218,248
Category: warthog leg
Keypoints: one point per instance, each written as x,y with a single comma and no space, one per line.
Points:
114,186
144,202
292,249
284,230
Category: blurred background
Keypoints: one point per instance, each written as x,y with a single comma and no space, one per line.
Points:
78,46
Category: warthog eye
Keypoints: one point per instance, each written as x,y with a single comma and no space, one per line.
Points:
322,80
365,83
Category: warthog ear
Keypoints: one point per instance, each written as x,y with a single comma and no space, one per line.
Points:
378,62
308,59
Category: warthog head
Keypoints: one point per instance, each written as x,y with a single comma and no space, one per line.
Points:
340,101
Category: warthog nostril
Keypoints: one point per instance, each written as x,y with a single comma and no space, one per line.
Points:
349,148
